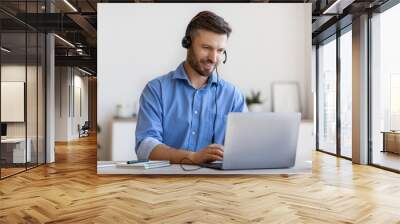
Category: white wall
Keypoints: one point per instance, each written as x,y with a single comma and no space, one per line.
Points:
80,83
138,42
61,103
68,81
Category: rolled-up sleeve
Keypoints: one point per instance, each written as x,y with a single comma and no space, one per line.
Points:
149,131
239,103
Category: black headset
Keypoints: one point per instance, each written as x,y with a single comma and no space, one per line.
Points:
186,43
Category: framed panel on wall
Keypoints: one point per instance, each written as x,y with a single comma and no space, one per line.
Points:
12,101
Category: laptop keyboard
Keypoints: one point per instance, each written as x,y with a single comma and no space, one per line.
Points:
217,165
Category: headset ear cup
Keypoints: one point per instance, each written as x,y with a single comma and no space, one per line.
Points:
186,42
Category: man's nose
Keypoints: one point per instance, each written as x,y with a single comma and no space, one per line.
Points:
213,56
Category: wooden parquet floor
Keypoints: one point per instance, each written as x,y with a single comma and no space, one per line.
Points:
70,191
10,171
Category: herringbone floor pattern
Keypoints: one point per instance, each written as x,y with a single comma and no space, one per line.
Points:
70,191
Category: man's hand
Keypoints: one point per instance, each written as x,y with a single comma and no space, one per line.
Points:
208,154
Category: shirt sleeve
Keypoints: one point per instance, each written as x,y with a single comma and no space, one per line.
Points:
149,129
239,104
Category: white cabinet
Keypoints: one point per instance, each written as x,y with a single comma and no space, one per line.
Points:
123,139
306,141
19,154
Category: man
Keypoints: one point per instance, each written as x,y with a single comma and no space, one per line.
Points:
182,115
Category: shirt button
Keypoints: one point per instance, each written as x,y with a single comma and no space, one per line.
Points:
193,132
195,112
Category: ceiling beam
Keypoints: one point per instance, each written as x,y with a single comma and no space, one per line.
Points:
83,61
85,25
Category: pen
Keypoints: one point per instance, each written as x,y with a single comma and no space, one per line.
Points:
136,161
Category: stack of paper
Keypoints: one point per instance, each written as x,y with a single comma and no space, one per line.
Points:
156,163
147,165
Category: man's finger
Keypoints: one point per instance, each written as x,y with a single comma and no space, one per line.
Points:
217,152
212,157
216,146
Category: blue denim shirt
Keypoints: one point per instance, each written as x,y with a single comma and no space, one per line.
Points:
174,113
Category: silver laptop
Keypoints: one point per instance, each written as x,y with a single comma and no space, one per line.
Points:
259,141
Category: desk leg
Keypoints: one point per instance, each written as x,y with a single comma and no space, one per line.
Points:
384,142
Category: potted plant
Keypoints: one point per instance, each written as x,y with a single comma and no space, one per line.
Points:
254,102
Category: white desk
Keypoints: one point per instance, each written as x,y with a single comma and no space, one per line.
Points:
108,167
19,149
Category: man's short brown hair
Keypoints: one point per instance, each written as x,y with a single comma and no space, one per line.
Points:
210,21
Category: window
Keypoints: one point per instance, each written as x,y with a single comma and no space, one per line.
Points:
346,93
327,96
385,89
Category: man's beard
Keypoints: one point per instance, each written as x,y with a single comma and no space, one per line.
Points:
196,65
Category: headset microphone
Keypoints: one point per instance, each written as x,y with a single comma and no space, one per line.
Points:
215,98
226,57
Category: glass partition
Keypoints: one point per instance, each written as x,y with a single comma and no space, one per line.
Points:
13,109
22,63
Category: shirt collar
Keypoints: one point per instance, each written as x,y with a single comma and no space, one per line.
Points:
180,73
